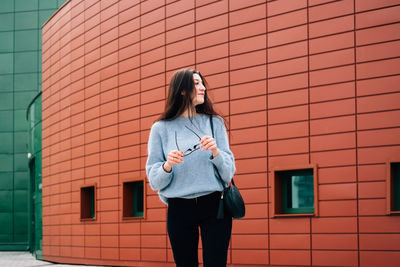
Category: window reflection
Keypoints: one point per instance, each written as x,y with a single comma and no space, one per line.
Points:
301,191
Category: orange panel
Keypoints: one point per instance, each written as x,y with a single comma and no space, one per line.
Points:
375,258
337,191
294,241
290,257
337,207
333,242
372,207
335,258
248,29
250,256
334,225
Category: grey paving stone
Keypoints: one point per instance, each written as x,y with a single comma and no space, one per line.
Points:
25,259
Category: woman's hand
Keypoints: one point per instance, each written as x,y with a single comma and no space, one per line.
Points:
174,157
208,143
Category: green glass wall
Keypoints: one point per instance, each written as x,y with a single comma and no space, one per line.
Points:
20,82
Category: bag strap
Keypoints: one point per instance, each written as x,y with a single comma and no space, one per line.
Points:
219,176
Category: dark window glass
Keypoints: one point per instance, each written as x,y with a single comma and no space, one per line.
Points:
133,199
87,202
395,186
297,194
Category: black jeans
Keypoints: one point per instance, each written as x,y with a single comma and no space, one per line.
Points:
185,217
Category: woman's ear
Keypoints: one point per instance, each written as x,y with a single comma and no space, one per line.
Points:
183,92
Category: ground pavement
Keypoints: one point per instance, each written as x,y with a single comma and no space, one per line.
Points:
25,259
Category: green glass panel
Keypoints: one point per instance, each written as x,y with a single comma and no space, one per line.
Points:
5,238
48,4
38,138
21,180
6,198
28,81
44,15
20,122
6,163
6,82
20,162
31,116
6,224
21,222
26,40
39,69
297,191
6,143
61,2
26,20
24,5
6,62
7,42
38,160
21,200
35,111
26,62
17,246
7,6
138,199
30,145
6,101
20,142
6,121
40,43
22,238
6,181
396,185
38,110
92,203
7,22
22,99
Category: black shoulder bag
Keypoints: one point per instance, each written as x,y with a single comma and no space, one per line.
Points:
231,199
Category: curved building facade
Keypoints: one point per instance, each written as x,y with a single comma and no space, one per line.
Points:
311,92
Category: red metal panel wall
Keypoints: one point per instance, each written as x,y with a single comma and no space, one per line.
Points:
301,82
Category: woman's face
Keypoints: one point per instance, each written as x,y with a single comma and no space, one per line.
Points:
199,90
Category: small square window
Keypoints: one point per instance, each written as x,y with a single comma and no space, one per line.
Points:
294,192
133,199
88,197
393,188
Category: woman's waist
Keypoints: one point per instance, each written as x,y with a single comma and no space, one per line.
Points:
204,197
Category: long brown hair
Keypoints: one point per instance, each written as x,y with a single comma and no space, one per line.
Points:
180,92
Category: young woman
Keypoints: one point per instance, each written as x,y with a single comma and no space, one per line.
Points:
181,157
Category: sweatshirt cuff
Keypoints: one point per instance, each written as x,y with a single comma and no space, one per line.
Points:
163,173
218,160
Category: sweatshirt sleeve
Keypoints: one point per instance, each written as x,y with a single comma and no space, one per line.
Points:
225,161
156,174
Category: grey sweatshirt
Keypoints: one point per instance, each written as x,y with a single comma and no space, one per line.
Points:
195,176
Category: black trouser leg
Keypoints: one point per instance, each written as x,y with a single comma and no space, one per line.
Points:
215,236
183,232
215,233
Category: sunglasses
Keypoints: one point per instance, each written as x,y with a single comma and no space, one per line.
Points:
189,150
